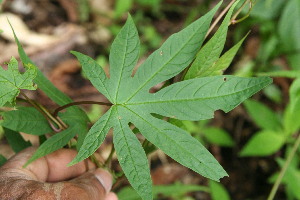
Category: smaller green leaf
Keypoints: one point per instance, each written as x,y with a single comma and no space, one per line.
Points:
295,91
173,190
12,81
273,92
291,178
225,60
2,160
291,117
57,141
27,120
218,136
263,143
218,191
263,116
122,7
15,140
281,73
211,51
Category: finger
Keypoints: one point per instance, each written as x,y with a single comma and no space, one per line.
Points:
111,196
52,167
92,185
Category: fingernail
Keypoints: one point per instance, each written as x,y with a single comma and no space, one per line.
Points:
105,178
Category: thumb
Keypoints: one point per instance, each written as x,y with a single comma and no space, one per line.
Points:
90,185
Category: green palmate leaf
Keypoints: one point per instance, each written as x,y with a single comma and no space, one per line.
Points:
194,99
54,143
218,136
218,191
11,81
211,50
15,140
132,158
263,116
27,120
263,143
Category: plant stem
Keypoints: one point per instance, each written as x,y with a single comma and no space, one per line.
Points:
46,114
233,19
284,168
94,160
57,110
219,17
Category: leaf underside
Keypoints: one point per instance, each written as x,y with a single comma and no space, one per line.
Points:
194,99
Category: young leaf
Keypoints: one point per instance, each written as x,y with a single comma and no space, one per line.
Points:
263,143
281,73
211,51
12,81
15,140
289,31
224,61
218,136
27,120
263,116
218,191
54,143
291,117
53,93
176,191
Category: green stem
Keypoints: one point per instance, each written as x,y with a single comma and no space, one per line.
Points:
57,110
94,160
46,114
233,19
284,168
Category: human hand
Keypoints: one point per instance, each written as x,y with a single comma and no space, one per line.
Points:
49,178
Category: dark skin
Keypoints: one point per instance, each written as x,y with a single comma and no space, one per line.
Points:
49,178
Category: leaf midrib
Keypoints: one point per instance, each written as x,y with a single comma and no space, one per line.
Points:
195,99
122,71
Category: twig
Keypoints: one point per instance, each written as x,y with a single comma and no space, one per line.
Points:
57,110
284,168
